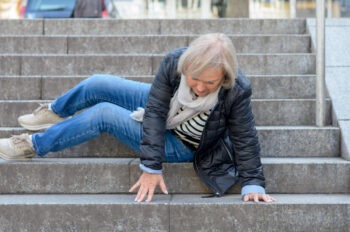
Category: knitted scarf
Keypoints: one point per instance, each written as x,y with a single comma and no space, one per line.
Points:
185,98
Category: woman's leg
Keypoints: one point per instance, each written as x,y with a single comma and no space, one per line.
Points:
100,118
176,150
109,118
101,88
98,92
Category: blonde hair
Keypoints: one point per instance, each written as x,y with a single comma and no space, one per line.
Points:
210,51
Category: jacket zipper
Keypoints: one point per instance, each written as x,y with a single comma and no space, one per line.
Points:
206,180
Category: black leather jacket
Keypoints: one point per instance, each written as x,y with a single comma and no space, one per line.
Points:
229,150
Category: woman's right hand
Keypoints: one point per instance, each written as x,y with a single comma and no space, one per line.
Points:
147,184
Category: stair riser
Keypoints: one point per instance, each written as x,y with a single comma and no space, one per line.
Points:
149,44
286,177
287,142
68,177
167,213
105,217
171,213
21,27
292,113
144,65
257,217
117,176
274,112
237,26
47,88
146,27
292,142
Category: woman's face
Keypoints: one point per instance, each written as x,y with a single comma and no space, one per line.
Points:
206,82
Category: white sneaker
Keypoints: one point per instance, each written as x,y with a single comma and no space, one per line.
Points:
41,118
18,147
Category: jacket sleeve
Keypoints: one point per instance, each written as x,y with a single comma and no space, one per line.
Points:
156,111
244,137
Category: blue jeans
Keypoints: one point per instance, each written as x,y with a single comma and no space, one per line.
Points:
108,102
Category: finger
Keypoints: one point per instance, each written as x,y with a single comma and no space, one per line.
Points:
150,195
246,198
163,187
266,198
134,187
141,195
271,198
138,195
256,198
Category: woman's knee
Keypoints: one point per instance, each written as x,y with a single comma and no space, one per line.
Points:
98,81
105,111
115,120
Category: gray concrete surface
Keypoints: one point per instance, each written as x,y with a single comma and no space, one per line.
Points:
276,141
297,159
158,44
117,175
272,112
144,64
171,26
337,74
314,213
50,87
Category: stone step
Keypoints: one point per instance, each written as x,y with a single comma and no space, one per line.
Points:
50,87
63,65
113,175
279,112
150,26
272,112
144,44
118,212
276,141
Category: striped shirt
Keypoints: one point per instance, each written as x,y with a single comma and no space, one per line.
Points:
191,130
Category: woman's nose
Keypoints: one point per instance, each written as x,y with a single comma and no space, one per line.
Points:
201,87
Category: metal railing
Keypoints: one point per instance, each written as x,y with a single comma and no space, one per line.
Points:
320,64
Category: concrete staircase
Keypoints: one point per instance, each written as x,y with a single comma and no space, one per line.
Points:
85,188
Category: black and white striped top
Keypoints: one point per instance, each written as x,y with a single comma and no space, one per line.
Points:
191,130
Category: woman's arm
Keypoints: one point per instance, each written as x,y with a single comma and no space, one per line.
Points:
246,145
156,111
154,126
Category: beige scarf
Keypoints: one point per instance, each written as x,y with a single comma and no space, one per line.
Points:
183,97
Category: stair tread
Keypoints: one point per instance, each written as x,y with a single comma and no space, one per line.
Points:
119,212
171,199
127,161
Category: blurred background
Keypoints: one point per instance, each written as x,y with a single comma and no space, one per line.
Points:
138,9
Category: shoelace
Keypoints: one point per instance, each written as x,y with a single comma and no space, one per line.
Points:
20,142
41,107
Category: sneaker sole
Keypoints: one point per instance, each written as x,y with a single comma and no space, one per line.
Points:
5,157
36,128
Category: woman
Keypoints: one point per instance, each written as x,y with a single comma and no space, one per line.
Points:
197,109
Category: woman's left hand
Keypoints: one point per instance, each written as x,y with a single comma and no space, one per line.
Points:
256,197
